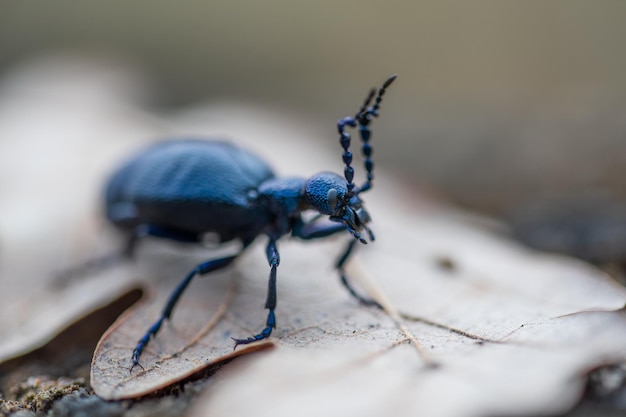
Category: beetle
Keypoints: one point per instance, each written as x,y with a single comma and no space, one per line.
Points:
182,190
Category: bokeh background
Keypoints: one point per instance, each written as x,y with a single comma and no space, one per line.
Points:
500,106
511,109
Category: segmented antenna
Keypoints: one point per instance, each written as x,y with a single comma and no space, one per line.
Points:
344,140
361,119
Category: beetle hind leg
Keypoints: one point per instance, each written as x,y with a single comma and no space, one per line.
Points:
93,266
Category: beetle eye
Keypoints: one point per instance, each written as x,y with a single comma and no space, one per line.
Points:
332,198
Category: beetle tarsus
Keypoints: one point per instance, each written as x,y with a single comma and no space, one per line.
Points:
265,333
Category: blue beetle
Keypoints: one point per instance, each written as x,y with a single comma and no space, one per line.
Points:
183,189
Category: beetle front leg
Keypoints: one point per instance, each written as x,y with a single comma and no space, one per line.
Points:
316,230
308,231
346,282
270,303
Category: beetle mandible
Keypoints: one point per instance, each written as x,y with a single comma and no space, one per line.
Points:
183,189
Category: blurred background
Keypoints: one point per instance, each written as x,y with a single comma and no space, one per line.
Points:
513,109
510,109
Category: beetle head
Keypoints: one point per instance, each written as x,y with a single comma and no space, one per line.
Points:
328,194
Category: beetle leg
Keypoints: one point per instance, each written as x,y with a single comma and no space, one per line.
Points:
345,281
203,268
64,277
92,266
128,251
316,230
307,231
165,233
273,258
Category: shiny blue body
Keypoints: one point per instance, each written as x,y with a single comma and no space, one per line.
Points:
191,187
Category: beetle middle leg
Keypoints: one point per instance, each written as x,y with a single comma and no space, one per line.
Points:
201,269
273,258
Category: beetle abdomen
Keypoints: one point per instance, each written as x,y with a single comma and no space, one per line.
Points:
196,186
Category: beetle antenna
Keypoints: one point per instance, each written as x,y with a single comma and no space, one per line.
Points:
367,102
344,140
361,119
364,117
